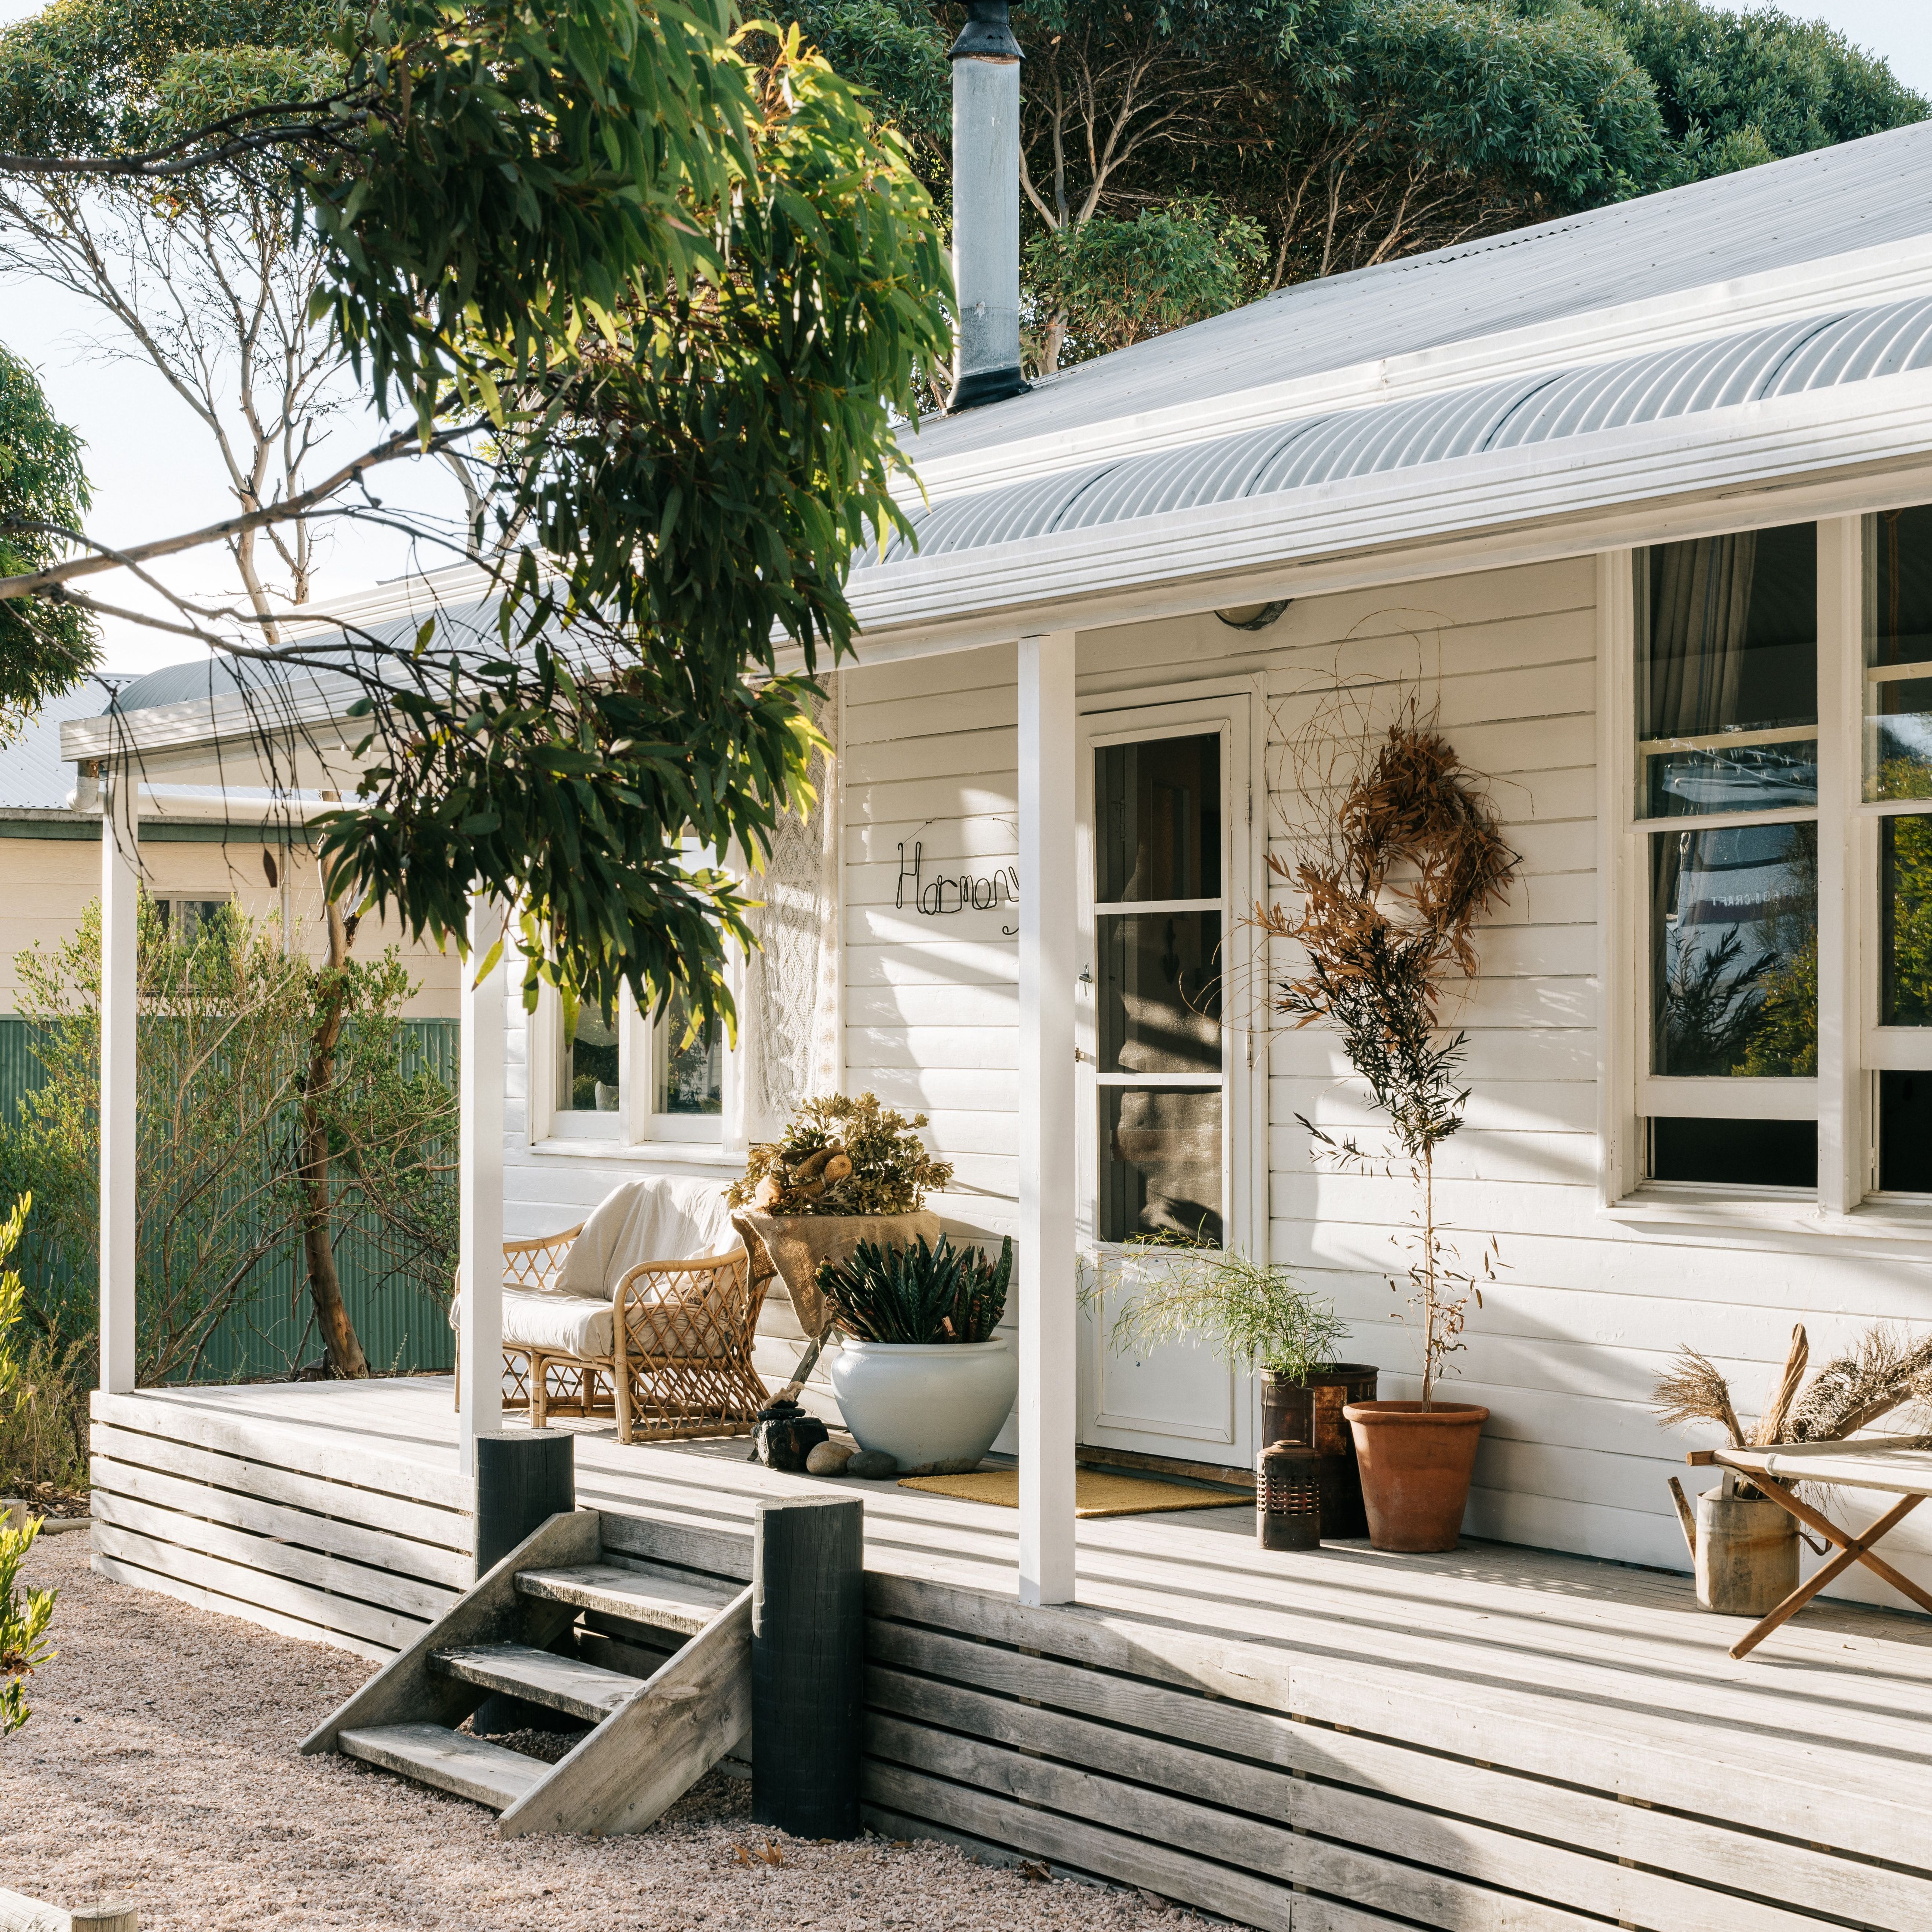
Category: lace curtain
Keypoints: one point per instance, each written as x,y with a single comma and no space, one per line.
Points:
791,1007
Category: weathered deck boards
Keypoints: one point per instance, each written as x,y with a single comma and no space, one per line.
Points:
1499,1740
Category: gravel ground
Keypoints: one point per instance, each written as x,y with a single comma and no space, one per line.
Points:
160,1760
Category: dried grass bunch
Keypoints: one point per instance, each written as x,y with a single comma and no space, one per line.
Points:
841,1154
1884,1371
1393,880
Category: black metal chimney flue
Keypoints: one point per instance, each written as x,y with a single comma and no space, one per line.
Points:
986,207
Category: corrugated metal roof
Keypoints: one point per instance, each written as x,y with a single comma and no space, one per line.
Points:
33,776
1785,359
1859,195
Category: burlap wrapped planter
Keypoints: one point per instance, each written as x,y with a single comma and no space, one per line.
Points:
799,1244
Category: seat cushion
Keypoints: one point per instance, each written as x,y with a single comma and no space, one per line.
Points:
565,1324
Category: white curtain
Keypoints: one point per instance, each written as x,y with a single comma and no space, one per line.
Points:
792,1005
1697,627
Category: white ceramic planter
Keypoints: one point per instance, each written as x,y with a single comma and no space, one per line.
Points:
934,1407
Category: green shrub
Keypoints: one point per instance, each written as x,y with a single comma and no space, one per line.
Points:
44,1418
918,1294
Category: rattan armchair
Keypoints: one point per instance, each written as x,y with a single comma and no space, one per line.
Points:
680,1361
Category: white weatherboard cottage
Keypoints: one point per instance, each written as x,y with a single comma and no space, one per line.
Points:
1645,495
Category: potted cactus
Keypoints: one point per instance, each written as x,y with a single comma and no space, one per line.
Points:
920,1373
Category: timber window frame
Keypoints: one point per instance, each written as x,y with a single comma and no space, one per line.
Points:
635,1124
1853,1049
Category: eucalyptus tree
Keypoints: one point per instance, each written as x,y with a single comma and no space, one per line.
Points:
44,647
667,305
209,281
1738,87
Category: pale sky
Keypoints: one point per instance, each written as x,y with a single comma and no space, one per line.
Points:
152,471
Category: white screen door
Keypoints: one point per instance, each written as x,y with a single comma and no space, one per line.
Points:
1168,1098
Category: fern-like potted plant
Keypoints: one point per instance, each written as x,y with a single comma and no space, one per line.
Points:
1256,1316
920,1373
1393,883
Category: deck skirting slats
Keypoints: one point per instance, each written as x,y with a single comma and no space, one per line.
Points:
434,1567
344,1621
944,1808
307,1531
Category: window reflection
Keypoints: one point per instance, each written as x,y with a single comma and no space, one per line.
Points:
1160,1163
1159,807
1728,696
1905,913
689,1064
1160,993
590,1060
1734,951
1898,654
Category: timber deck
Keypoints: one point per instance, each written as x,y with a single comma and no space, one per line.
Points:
1498,1738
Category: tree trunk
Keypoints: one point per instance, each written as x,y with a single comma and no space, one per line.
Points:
345,1352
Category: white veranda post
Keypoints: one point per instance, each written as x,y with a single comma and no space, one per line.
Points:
1047,1255
120,918
480,1336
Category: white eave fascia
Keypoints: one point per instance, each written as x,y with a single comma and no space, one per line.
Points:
1833,452
198,722
1863,278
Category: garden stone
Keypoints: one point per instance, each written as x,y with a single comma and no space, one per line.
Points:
872,1465
828,1459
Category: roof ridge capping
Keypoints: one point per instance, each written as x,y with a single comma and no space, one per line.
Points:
1862,277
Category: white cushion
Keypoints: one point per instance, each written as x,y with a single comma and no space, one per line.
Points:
564,1324
663,1220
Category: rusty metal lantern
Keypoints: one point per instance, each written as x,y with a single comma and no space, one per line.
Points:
1287,1497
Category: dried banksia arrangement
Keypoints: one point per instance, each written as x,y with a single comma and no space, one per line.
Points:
920,1294
842,1154
1881,1372
1392,882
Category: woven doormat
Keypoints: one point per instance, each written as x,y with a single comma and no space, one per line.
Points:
1096,1492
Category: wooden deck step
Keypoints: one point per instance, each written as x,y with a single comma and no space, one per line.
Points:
585,1690
662,1601
472,1767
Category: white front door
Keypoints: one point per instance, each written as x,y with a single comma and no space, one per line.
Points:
1172,1156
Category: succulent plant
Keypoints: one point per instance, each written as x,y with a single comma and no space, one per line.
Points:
921,1293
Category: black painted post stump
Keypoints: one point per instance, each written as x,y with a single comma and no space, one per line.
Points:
524,1476
808,1665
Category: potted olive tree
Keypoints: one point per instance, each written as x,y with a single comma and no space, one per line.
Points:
920,1373
1392,884
1257,1316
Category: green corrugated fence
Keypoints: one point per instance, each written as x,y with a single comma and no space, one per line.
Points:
401,1328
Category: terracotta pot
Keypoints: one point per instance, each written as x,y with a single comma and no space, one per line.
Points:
1416,1465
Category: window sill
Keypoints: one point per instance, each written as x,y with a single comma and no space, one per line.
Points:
1740,1210
682,1154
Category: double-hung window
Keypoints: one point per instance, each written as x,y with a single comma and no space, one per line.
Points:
631,1080
1897,788
1727,786
1772,893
